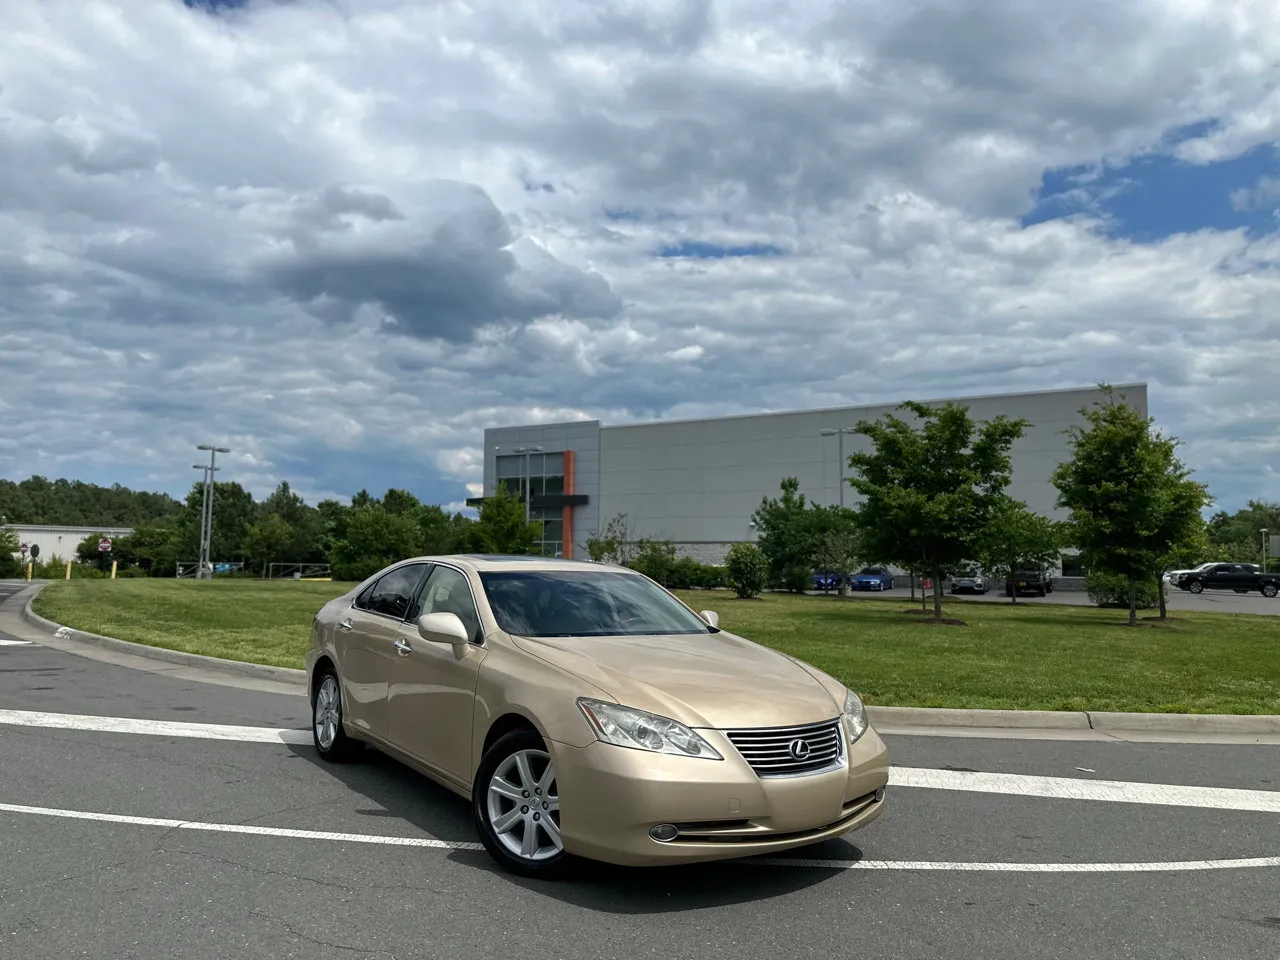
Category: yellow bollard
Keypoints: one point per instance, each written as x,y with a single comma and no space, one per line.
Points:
113,568
29,565
68,569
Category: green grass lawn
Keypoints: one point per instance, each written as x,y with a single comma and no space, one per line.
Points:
1028,656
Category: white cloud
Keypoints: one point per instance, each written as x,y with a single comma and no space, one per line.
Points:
345,237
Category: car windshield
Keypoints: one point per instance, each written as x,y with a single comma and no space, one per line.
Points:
870,572
585,603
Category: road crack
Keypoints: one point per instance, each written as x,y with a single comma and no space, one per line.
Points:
320,943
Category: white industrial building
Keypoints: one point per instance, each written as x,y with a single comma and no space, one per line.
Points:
697,482
59,541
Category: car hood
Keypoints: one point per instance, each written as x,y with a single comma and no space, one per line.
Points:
708,680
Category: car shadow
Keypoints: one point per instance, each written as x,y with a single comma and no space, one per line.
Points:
606,888
397,792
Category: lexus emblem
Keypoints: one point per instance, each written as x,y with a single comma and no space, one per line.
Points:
799,749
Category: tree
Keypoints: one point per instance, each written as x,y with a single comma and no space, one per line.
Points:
836,545
10,561
151,546
615,544
788,537
1131,499
399,501
929,493
502,527
440,532
1016,538
747,569
374,540
269,540
1181,529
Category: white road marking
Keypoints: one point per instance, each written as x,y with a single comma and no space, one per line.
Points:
159,728
431,843
1067,788
14,643
1056,788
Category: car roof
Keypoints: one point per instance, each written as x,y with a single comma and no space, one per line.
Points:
489,562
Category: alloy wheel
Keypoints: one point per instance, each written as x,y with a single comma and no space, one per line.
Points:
523,805
327,712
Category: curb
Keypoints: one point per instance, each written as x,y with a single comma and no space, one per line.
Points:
945,717
880,716
236,668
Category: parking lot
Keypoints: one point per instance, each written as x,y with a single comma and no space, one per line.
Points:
145,814
1218,601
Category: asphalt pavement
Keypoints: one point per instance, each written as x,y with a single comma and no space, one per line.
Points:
167,843
1215,601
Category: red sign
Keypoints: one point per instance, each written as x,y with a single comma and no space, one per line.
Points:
23,549
104,544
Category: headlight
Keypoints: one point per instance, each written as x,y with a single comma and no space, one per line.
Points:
854,716
625,727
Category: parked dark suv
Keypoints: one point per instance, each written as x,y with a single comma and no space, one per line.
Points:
1029,582
1240,577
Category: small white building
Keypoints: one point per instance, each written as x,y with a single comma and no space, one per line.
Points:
59,541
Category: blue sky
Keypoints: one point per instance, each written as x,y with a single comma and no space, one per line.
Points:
1156,195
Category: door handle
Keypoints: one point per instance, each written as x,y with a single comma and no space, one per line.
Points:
345,625
403,648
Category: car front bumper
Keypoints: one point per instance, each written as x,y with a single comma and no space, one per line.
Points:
610,797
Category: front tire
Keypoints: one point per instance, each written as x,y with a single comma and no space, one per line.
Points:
1196,587
331,741
1270,590
516,804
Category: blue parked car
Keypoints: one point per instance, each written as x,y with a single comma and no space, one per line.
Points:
826,580
873,578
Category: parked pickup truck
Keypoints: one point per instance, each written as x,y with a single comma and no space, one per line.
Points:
1240,577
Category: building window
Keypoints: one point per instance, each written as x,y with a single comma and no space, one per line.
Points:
545,476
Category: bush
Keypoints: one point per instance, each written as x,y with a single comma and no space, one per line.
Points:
687,573
657,561
129,573
1112,592
747,569
796,578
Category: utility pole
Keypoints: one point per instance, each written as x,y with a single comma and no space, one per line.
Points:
206,512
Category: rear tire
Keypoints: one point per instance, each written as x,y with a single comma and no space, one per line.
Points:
516,805
331,741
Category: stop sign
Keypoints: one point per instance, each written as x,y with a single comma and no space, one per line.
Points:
104,544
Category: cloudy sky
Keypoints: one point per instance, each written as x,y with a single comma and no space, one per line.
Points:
343,236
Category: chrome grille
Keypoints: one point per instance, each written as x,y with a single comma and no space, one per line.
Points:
768,749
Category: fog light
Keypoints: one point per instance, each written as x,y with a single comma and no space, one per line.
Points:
879,794
664,832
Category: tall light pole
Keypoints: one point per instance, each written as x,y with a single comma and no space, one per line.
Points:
527,485
1264,549
206,541
204,507
840,433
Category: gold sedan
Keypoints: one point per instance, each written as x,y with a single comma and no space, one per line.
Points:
585,711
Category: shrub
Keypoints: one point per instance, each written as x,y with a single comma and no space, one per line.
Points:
1111,591
796,578
129,573
688,574
657,561
747,569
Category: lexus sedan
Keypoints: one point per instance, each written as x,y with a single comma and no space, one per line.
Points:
586,712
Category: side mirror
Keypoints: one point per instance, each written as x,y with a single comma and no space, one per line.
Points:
712,618
442,628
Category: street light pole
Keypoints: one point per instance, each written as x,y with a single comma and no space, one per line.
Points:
527,477
1264,549
206,545
839,433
